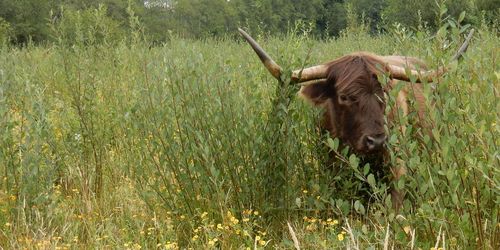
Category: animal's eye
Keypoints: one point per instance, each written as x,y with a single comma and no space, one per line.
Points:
344,98
347,99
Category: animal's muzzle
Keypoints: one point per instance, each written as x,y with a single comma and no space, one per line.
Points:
374,142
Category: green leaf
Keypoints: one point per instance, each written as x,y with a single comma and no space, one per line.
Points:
371,180
443,10
454,198
464,28
353,161
452,24
424,188
401,183
366,169
358,206
332,143
442,31
461,17
436,135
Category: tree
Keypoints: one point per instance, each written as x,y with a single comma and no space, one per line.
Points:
27,19
490,9
332,18
411,13
371,10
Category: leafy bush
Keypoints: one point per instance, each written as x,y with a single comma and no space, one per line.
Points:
86,27
193,144
5,32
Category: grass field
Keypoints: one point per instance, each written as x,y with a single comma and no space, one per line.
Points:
192,144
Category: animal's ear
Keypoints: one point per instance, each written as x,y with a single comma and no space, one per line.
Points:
317,92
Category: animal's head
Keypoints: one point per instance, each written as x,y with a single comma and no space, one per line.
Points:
349,90
353,99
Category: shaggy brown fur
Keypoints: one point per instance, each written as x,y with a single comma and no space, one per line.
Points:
354,101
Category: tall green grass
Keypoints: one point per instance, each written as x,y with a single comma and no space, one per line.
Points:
194,144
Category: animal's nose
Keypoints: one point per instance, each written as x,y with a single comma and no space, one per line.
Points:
374,142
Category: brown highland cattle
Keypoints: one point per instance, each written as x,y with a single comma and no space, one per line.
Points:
349,91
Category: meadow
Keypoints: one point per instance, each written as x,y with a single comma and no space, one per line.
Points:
192,144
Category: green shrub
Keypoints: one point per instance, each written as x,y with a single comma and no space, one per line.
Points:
193,144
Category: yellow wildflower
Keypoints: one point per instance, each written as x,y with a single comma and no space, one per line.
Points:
340,237
212,242
171,245
311,227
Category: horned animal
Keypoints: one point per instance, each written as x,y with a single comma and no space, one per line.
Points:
353,98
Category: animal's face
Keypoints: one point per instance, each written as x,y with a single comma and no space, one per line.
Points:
354,102
359,115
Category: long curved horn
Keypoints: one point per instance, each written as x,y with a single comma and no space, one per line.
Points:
268,62
303,75
311,73
315,81
401,73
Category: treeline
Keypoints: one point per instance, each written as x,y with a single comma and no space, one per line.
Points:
43,20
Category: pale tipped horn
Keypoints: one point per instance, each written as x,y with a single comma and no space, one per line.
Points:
403,74
268,62
464,46
311,73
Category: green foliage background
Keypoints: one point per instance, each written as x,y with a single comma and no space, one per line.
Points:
30,19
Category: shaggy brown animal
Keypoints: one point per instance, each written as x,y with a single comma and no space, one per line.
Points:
349,90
